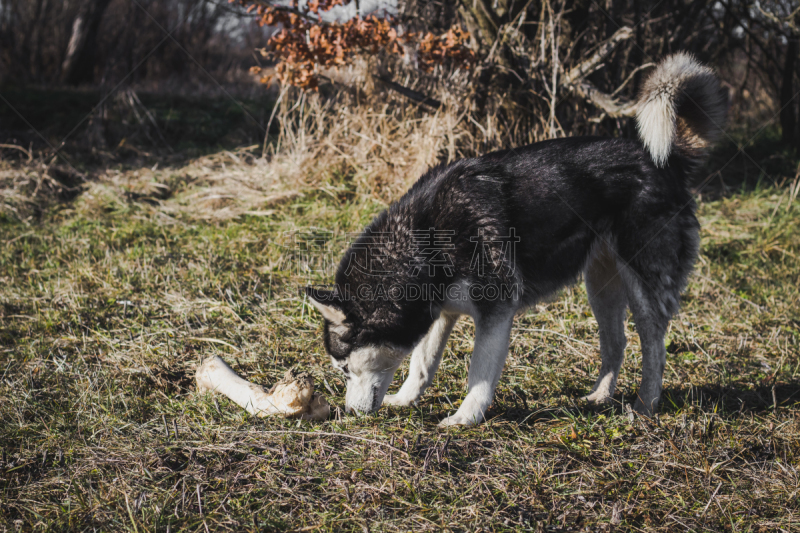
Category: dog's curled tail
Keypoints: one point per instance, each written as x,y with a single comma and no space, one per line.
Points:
682,108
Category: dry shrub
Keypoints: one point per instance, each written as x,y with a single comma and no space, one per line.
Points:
384,142
15,189
29,186
382,145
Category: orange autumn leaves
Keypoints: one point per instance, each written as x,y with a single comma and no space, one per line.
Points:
305,43
452,46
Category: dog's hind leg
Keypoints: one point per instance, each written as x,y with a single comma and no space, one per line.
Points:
492,336
654,278
651,324
606,290
425,361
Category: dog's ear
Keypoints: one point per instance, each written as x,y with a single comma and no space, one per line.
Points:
329,303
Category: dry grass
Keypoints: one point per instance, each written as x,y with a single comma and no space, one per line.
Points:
110,301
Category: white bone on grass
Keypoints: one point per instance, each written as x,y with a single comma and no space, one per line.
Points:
293,396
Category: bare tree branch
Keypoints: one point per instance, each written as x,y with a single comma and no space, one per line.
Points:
410,93
575,78
779,22
583,69
308,15
606,102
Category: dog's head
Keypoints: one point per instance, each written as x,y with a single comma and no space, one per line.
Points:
358,350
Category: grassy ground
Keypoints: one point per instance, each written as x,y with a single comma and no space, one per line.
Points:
106,311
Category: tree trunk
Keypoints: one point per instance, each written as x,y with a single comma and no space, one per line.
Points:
79,61
36,40
788,106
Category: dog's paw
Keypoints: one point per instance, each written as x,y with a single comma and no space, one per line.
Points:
598,397
641,408
398,400
458,420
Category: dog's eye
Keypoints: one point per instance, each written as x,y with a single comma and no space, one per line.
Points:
345,370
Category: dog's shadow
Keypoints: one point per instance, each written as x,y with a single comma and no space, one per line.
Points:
725,401
734,400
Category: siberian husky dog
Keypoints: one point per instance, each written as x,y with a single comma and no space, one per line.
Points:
489,237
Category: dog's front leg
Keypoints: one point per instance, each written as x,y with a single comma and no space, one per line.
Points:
425,361
488,358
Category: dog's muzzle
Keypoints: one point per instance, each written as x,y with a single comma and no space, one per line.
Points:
376,403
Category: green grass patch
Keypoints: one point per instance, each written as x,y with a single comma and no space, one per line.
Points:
104,316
